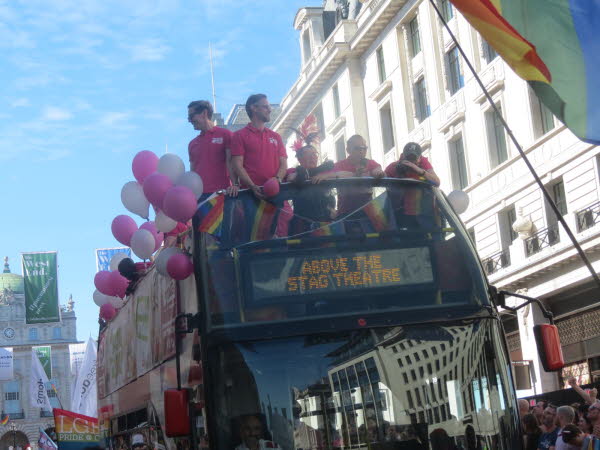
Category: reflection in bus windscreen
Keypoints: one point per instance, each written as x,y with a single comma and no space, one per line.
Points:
336,272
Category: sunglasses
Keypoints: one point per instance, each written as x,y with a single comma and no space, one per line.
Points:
360,147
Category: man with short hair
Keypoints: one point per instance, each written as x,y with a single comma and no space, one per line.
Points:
566,416
550,434
209,152
538,410
258,153
355,165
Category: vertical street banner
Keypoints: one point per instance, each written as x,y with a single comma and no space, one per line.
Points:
104,255
85,394
45,442
40,274
37,384
45,356
6,364
75,431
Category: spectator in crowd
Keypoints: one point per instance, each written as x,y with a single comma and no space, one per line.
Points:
565,416
589,398
523,407
355,165
210,151
549,428
532,431
573,437
538,410
584,423
258,153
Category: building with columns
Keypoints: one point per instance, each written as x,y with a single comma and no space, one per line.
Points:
389,71
22,429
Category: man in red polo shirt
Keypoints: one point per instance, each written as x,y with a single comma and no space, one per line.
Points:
210,155
355,165
258,153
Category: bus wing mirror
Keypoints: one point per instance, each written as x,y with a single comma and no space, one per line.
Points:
177,413
548,346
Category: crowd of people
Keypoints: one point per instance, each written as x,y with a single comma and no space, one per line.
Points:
251,156
567,427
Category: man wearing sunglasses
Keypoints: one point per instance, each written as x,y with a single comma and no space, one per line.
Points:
355,165
258,153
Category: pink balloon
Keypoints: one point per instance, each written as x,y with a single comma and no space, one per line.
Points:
123,228
144,164
158,236
118,284
156,186
108,312
271,187
102,282
180,203
179,266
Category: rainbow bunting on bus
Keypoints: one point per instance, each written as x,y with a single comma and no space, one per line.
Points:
329,229
379,213
210,213
262,225
554,46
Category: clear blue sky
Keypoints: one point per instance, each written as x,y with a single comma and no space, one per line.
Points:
86,84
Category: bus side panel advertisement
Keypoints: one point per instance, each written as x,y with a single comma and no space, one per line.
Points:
140,337
338,271
75,431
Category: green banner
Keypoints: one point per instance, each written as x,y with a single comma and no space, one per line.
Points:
45,356
41,287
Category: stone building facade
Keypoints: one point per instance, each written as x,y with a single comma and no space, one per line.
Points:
22,429
388,70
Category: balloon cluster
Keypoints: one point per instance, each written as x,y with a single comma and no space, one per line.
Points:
173,193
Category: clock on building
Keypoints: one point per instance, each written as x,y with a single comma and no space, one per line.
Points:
9,333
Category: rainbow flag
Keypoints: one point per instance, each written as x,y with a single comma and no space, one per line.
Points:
379,212
262,224
211,215
554,46
4,420
329,229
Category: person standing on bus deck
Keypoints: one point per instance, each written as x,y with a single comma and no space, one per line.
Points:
138,443
412,165
251,432
210,151
258,153
355,165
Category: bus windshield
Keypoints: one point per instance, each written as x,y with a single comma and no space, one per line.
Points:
414,387
401,248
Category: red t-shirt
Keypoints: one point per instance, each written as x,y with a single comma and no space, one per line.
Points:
411,202
209,159
350,199
423,163
261,151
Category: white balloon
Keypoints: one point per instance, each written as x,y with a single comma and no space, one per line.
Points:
164,223
133,198
116,259
143,243
459,201
117,302
192,181
100,298
163,257
171,165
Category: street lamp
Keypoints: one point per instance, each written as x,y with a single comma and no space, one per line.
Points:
13,427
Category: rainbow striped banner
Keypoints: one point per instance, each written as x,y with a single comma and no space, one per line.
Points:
379,212
554,46
4,420
329,229
211,215
262,225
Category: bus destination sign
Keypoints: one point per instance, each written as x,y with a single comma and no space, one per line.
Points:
343,271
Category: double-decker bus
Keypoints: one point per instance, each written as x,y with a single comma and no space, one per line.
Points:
377,329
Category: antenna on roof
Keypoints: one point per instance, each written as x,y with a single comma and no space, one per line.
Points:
212,77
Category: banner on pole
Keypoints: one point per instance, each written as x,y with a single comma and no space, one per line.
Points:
75,431
45,356
104,255
37,384
85,394
6,364
45,442
40,275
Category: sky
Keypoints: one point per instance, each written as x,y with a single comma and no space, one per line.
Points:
86,84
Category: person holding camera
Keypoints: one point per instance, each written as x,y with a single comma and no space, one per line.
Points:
412,165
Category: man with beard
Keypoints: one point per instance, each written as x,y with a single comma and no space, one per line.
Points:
550,434
258,153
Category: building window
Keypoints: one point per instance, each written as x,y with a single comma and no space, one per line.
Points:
496,137
11,397
33,334
489,54
415,39
306,49
557,192
543,119
506,219
337,110
340,148
454,76
380,65
458,164
318,113
57,333
422,110
446,10
387,128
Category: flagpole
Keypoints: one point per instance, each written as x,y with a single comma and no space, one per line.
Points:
212,77
512,137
